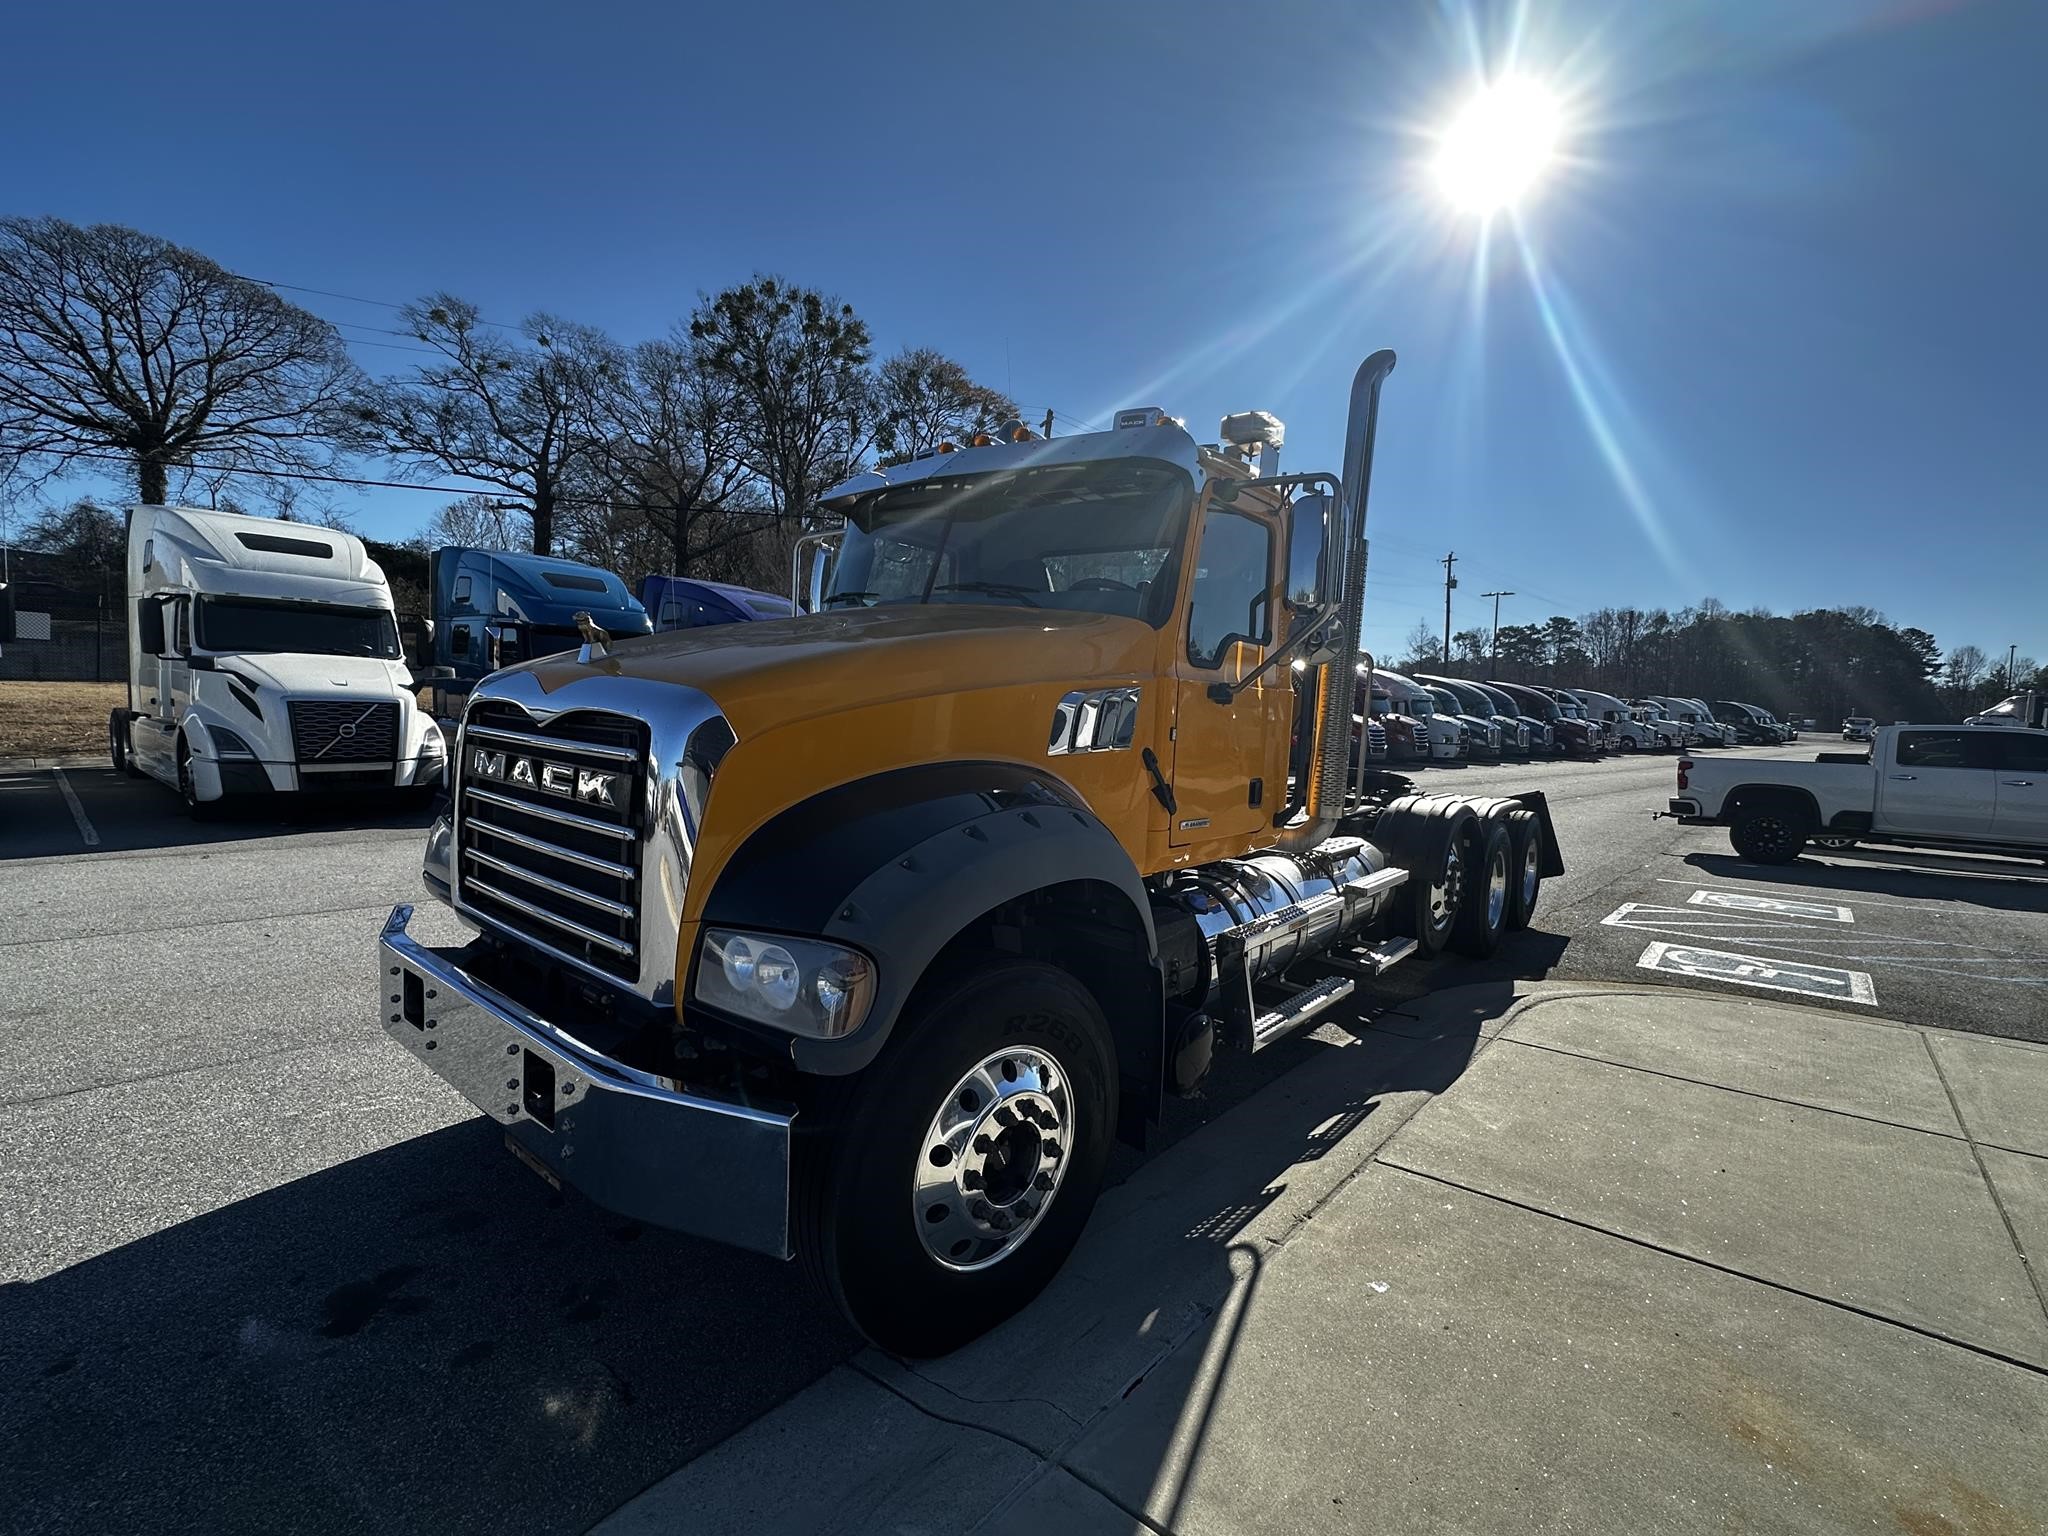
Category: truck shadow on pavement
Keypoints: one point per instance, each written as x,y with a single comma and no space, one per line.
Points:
424,1339
428,1338
2020,889
127,815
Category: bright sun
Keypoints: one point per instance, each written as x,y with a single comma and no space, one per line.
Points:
1498,146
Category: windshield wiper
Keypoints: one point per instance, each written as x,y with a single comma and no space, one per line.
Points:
848,597
991,588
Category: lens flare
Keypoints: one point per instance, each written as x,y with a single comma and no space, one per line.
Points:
1498,147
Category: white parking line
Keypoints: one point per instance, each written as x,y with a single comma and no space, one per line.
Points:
1744,901
1756,971
92,838
1912,906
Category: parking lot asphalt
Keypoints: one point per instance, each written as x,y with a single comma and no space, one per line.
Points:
258,1271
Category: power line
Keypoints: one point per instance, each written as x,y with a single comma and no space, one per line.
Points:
413,485
353,298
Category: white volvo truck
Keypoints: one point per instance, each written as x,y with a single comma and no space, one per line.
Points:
263,658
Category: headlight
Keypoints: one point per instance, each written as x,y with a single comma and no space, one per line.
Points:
227,744
801,985
431,744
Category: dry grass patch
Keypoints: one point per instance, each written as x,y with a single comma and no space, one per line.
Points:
57,719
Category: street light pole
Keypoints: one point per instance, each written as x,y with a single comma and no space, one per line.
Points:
1496,596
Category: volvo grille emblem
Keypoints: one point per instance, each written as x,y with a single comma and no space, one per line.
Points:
590,785
347,732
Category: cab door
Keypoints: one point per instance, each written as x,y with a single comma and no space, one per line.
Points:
1229,760
2021,767
1940,783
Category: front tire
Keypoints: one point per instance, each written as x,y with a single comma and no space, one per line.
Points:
1627,744
955,1175
196,808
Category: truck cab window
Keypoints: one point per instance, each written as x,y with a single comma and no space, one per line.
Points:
1089,538
1233,572
1936,749
462,589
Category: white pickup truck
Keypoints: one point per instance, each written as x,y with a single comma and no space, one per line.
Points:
1966,788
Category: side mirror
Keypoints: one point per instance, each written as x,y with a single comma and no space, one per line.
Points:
1308,548
506,644
149,626
6,612
810,559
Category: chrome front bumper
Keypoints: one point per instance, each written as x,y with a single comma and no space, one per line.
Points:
634,1143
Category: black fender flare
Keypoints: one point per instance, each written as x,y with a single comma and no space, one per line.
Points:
898,865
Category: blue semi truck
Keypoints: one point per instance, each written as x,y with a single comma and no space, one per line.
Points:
493,608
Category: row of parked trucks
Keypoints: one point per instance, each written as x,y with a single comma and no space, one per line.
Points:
267,657
1426,717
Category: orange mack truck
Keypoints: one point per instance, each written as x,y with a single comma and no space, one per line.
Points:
858,937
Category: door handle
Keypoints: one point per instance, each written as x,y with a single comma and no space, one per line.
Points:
1905,775
2019,783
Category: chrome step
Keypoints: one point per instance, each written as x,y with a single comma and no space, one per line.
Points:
1370,960
1299,1009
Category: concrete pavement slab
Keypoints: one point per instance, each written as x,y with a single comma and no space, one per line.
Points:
1057,1501
1160,1252
2022,1185
1880,1071
846,1455
1425,1359
1871,1215
2001,1087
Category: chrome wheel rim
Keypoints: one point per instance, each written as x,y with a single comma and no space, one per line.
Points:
1497,891
1443,895
1532,872
993,1158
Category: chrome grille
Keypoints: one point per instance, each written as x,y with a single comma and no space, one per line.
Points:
343,731
548,829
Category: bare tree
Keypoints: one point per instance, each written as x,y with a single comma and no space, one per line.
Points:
479,522
499,408
796,362
666,444
1962,670
1423,647
924,398
116,344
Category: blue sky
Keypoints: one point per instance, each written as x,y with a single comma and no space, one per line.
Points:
1777,337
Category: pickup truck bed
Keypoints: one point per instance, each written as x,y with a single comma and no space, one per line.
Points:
1979,789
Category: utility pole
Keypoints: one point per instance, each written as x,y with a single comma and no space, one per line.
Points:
2012,660
1496,596
1450,581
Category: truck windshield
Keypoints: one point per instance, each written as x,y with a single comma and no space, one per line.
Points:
231,624
1093,538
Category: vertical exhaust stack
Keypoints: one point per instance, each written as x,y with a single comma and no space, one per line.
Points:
1337,678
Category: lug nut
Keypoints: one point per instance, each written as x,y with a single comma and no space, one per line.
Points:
511,1085
1043,1181
984,1144
1006,1116
979,1210
970,1179
1052,1151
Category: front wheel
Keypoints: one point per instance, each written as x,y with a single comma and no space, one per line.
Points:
958,1171
196,808
1627,744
